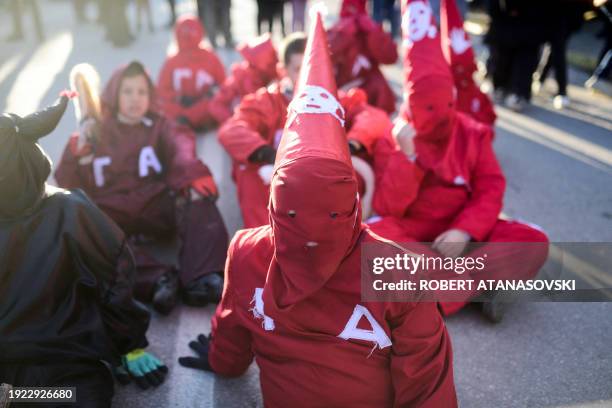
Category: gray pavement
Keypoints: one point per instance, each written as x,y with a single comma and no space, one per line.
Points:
559,171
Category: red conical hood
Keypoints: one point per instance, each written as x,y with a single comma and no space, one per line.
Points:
428,86
314,208
260,53
456,44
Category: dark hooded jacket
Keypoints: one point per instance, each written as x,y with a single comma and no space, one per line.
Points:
134,166
65,270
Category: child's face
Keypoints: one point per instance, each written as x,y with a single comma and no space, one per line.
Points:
134,97
292,69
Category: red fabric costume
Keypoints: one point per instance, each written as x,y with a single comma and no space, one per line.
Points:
134,176
256,71
259,120
455,180
292,298
459,53
189,79
359,46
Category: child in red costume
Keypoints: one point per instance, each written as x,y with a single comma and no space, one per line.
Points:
359,45
134,169
459,54
292,298
256,71
190,78
441,182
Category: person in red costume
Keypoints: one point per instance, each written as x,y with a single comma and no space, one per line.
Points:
142,171
257,70
359,45
252,134
292,298
440,180
190,78
459,53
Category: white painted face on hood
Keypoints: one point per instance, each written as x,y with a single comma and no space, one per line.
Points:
315,99
417,23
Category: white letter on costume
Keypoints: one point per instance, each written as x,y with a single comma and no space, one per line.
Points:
178,75
377,335
148,159
98,169
202,79
258,310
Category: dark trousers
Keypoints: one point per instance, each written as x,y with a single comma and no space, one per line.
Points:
385,10
201,232
513,67
267,12
215,15
16,7
93,382
556,57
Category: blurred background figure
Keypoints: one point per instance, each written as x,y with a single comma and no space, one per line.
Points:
144,7
386,10
114,18
215,15
299,12
599,80
172,7
514,38
561,22
16,8
268,11
79,10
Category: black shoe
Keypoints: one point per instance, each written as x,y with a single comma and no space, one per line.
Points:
166,293
494,308
204,290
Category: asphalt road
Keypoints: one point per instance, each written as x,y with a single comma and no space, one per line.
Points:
559,171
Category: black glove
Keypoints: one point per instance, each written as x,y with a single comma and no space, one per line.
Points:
142,367
201,348
265,154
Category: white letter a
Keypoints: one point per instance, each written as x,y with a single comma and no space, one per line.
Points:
377,335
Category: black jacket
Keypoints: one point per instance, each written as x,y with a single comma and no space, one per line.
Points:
66,285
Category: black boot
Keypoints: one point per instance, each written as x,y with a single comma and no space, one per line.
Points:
206,289
165,295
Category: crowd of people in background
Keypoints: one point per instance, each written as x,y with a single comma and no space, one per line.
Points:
326,158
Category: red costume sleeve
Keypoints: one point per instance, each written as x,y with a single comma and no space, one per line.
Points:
421,359
179,155
488,184
245,132
369,125
380,44
69,174
397,179
230,349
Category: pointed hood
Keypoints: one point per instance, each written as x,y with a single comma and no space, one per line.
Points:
351,8
24,166
428,87
314,208
189,32
456,44
260,53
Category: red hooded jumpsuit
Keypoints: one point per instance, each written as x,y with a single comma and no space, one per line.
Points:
190,78
359,45
292,298
454,181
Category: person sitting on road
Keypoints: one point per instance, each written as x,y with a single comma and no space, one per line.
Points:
359,46
439,180
190,78
66,276
142,170
257,70
293,298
